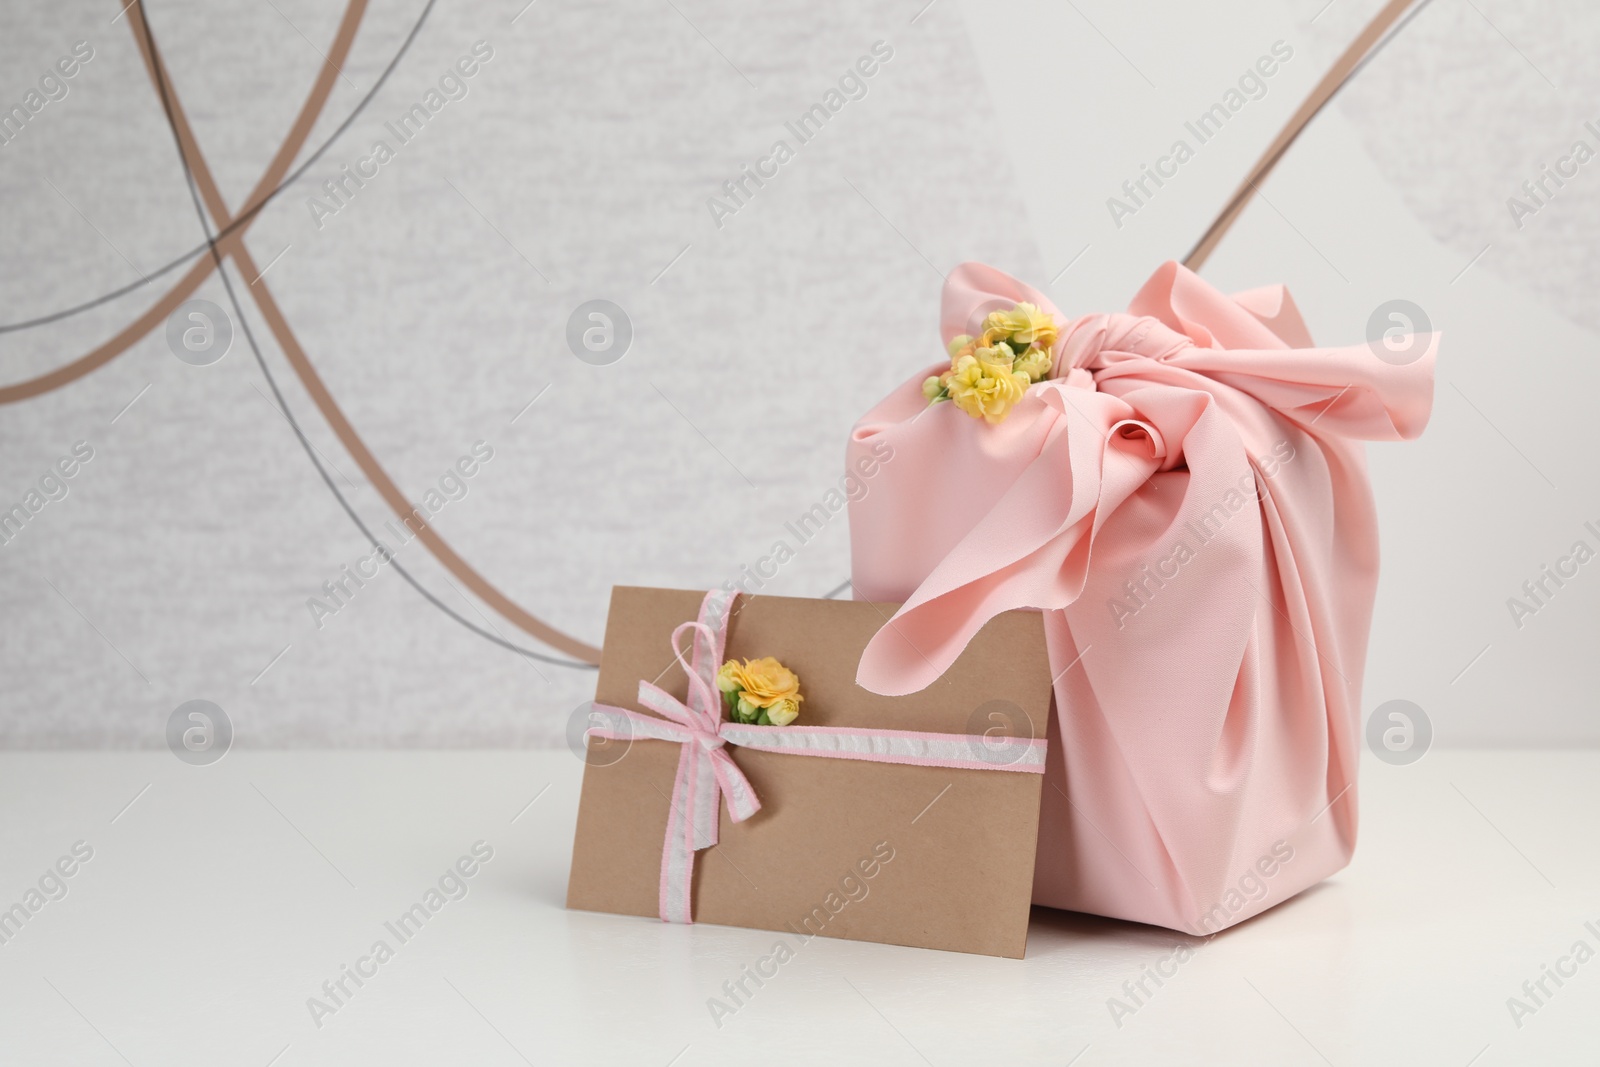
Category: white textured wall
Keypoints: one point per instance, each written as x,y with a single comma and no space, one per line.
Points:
577,167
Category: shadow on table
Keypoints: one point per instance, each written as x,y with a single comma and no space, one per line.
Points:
1055,932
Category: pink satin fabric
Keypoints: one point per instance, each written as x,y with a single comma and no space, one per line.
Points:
1205,742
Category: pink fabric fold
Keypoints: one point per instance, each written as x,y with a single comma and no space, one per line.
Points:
1186,501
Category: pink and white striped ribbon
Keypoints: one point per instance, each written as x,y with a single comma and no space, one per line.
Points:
706,773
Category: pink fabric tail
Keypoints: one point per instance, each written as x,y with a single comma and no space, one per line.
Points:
1187,501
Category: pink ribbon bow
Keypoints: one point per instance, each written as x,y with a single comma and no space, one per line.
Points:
706,773
705,770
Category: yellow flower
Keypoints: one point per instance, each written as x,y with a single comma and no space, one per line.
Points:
998,355
986,390
989,373
1024,325
784,712
1035,363
730,679
766,681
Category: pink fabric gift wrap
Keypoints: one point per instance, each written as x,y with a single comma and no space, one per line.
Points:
1186,500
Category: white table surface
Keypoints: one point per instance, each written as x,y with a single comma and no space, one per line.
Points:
219,901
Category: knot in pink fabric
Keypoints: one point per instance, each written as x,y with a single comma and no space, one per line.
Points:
1094,342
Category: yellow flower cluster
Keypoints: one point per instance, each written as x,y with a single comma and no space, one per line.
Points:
989,373
760,691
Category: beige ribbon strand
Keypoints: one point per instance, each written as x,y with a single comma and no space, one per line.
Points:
1330,83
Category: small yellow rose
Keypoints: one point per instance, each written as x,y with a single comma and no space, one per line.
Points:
1035,363
784,711
998,355
766,681
986,390
730,679
1024,325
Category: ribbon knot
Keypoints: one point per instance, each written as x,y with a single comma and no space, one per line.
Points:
1093,342
706,773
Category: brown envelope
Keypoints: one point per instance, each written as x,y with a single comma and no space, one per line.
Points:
931,857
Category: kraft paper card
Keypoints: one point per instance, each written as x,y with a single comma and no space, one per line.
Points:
907,820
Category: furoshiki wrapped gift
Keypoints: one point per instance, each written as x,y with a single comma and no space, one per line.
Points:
1181,490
